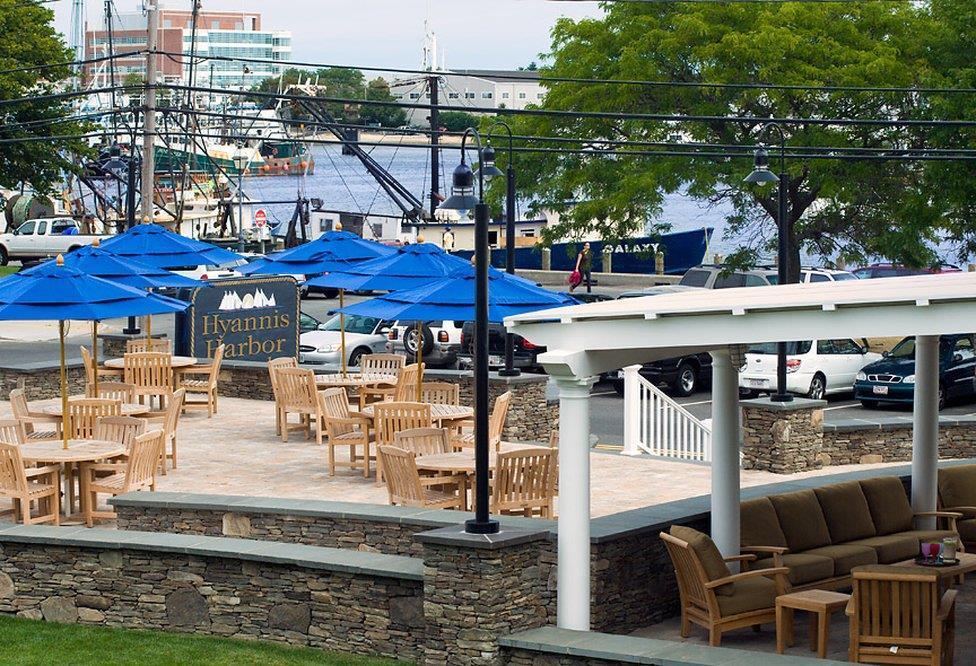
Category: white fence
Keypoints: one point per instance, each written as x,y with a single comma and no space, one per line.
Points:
655,423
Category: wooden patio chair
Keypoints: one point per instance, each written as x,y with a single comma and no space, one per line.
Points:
523,483
91,370
274,365
83,414
496,425
440,393
899,616
389,418
151,373
344,428
12,431
407,488
121,429
113,391
25,486
168,422
38,425
142,345
205,384
710,595
400,392
299,396
423,441
381,364
138,472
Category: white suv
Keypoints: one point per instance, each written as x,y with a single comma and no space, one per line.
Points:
717,276
441,341
814,368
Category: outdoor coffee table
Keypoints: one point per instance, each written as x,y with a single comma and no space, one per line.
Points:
947,574
176,362
128,409
79,452
461,463
819,602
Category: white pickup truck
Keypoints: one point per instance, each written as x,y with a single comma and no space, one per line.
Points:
42,238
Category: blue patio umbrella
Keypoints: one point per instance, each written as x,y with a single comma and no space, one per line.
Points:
157,246
55,292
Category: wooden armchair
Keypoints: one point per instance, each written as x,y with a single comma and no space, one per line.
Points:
126,393
202,381
381,364
496,424
407,488
121,429
423,441
898,616
168,422
344,428
393,417
404,390
25,486
440,393
714,598
91,370
151,373
524,483
299,395
274,365
12,431
83,414
138,472
38,425
141,345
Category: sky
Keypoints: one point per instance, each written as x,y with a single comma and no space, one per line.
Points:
490,34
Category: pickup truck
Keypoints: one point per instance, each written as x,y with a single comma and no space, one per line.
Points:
42,238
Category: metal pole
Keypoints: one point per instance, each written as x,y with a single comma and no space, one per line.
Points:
510,370
240,205
132,327
64,389
782,268
95,357
149,122
342,332
434,150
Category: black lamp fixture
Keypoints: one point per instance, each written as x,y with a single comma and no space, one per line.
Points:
463,199
761,175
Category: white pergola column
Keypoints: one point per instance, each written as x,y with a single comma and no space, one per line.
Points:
573,562
725,453
925,426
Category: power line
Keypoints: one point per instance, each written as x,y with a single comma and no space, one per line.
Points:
74,63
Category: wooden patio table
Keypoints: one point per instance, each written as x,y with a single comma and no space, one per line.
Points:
176,362
948,574
438,413
820,603
354,380
128,409
462,463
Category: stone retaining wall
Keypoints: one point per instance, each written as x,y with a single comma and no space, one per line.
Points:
848,442
782,437
354,602
41,381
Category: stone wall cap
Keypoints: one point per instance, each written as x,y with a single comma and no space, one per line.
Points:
298,555
795,405
638,650
892,423
457,537
37,367
128,336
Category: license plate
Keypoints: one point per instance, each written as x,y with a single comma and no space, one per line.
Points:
880,390
495,360
757,382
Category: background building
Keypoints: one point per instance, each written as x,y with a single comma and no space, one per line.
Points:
234,34
473,88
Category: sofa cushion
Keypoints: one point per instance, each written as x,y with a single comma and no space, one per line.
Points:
957,486
708,554
801,520
804,568
890,547
846,557
889,505
967,529
759,524
846,511
750,594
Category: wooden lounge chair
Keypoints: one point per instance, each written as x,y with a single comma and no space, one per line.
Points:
298,393
112,391
393,417
12,431
151,373
26,486
711,596
202,380
496,424
407,488
38,425
898,616
138,472
523,483
440,393
344,428
141,345
404,390
274,365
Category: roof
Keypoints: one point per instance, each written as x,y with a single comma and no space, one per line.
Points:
603,336
499,74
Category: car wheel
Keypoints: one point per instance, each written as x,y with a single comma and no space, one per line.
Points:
618,386
356,356
687,382
818,387
4,258
410,340
869,404
942,397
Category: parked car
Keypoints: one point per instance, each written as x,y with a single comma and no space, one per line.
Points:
211,271
441,341
587,297
364,335
42,238
892,378
657,290
307,322
881,270
814,368
718,276
525,357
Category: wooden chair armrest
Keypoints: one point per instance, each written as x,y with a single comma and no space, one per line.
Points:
775,571
765,549
850,608
346,421
947,603
40,418
440,480
31,472
193,370
741,558
938,514
106,467
966,511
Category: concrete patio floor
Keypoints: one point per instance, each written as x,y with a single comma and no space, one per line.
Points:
237,452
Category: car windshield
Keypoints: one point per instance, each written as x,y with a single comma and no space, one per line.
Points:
354,324
695,278
773,278
793,348
904,349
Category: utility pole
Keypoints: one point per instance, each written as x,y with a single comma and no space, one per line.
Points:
148,181
435,122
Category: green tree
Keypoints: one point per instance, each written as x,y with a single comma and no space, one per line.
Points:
838,207
458,121
31,41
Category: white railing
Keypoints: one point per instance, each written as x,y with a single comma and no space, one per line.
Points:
655,423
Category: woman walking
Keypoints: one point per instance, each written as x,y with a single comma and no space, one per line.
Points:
584,267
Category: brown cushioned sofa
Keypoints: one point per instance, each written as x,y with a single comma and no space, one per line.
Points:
957,493
822,533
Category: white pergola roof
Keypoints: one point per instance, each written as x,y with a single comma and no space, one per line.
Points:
588,339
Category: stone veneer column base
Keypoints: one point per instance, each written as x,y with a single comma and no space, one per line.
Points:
782,437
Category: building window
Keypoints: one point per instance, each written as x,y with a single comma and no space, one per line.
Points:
539,95
453,95
414,95
504,95
521,95
469,95
486,95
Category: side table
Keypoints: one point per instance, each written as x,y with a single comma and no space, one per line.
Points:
820,602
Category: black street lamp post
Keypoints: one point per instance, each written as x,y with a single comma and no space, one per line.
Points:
488,170
463,199
760,176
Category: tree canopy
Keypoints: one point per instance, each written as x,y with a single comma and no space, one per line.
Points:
31,41
850,208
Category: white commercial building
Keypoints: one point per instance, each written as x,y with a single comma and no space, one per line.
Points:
470,88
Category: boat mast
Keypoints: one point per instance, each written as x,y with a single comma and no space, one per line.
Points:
430,64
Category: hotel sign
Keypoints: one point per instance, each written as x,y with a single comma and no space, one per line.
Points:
256,318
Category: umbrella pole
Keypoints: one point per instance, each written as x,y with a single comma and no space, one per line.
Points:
420,358
342,331
64,390
95,357
149,332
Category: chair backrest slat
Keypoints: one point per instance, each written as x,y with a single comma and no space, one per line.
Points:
113,391
423,441
12,431
89,364
173,411
139,345
143,460
83,414
393,417
381,364
440,393
335,405
13,479
297,389
150,372
406,386
18,404
218,358
276,364
401,476
689,572
499,412
524,480
121,429
895,609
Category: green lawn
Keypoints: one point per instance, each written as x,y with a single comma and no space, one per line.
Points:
7,270
27,642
